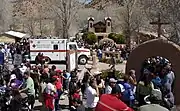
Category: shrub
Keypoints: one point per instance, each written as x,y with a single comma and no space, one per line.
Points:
118,38
119,61
118,74
103,60
112,36
107,61
90,38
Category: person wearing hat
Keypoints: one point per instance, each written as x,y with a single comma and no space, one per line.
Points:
92,94
23,68
168,96
100,83
50,94
59,88
155,99
17,72
14,82
111,102
112,83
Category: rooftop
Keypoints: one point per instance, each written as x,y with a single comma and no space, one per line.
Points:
16,34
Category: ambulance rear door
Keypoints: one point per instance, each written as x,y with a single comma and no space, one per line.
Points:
62,49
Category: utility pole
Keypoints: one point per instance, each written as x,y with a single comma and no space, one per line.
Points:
159,24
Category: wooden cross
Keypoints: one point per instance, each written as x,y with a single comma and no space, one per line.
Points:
159,24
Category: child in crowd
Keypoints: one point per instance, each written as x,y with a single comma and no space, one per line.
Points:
50,94
77,104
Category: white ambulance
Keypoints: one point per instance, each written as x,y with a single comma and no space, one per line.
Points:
56,49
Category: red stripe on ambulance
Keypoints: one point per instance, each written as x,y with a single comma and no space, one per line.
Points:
56,51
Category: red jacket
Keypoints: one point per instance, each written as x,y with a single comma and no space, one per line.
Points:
48,100
109,102
59,82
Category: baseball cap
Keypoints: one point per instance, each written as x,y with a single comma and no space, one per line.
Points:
13,76
112,80
97,72
58,71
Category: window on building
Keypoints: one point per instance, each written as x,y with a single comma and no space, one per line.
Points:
72,47
55,47
91,25
100,30
109,24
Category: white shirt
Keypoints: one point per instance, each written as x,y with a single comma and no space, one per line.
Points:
108,89
107,49
8,50
122,87
99,50
50,89
23,69
92,98
3,50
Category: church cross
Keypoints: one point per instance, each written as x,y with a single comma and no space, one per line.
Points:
159,24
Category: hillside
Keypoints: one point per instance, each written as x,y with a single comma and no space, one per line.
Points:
103,3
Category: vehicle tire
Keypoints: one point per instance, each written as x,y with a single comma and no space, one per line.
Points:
47,60
82,60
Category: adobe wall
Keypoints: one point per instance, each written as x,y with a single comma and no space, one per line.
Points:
157,47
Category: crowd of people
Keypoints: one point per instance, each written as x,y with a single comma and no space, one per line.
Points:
50,84
155,83
8,50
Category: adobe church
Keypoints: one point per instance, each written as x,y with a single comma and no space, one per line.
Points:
101,28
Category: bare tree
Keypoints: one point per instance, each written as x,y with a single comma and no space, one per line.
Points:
168,10
31,13
172,8
5,15
65,12
131,19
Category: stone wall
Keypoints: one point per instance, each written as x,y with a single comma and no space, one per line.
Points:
157,47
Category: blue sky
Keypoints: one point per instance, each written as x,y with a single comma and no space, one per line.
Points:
87,1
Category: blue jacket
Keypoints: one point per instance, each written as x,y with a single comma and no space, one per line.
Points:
1,58
128,93
157,81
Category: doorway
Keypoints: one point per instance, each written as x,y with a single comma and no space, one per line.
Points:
100,37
